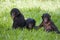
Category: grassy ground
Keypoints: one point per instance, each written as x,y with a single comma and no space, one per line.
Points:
29,8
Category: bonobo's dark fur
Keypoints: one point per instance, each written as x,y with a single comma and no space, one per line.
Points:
48,24
30,23
18,18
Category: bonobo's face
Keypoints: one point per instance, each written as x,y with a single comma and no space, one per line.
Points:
30,25
13,15
46,17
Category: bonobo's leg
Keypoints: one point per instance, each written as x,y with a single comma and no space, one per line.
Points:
54,28
49,30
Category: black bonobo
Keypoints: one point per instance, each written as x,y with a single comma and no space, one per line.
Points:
18,18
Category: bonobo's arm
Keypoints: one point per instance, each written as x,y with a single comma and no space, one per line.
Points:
41,25
14,26
54,27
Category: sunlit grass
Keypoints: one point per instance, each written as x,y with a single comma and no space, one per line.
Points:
44,5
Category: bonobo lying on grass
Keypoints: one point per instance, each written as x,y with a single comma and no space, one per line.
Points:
48,24
30,23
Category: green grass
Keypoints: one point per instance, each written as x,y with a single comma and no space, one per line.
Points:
30,9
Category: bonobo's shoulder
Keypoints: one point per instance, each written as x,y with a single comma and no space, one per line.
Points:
20,15
51,22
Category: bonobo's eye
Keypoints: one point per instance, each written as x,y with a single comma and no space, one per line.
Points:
46,15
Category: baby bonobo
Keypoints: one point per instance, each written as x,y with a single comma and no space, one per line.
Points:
48,24
18,18
30,23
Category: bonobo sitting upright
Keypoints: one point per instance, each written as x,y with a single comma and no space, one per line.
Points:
18,18
30,23
48,24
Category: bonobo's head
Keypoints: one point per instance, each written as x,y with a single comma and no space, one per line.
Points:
46,17
30,23
14,12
